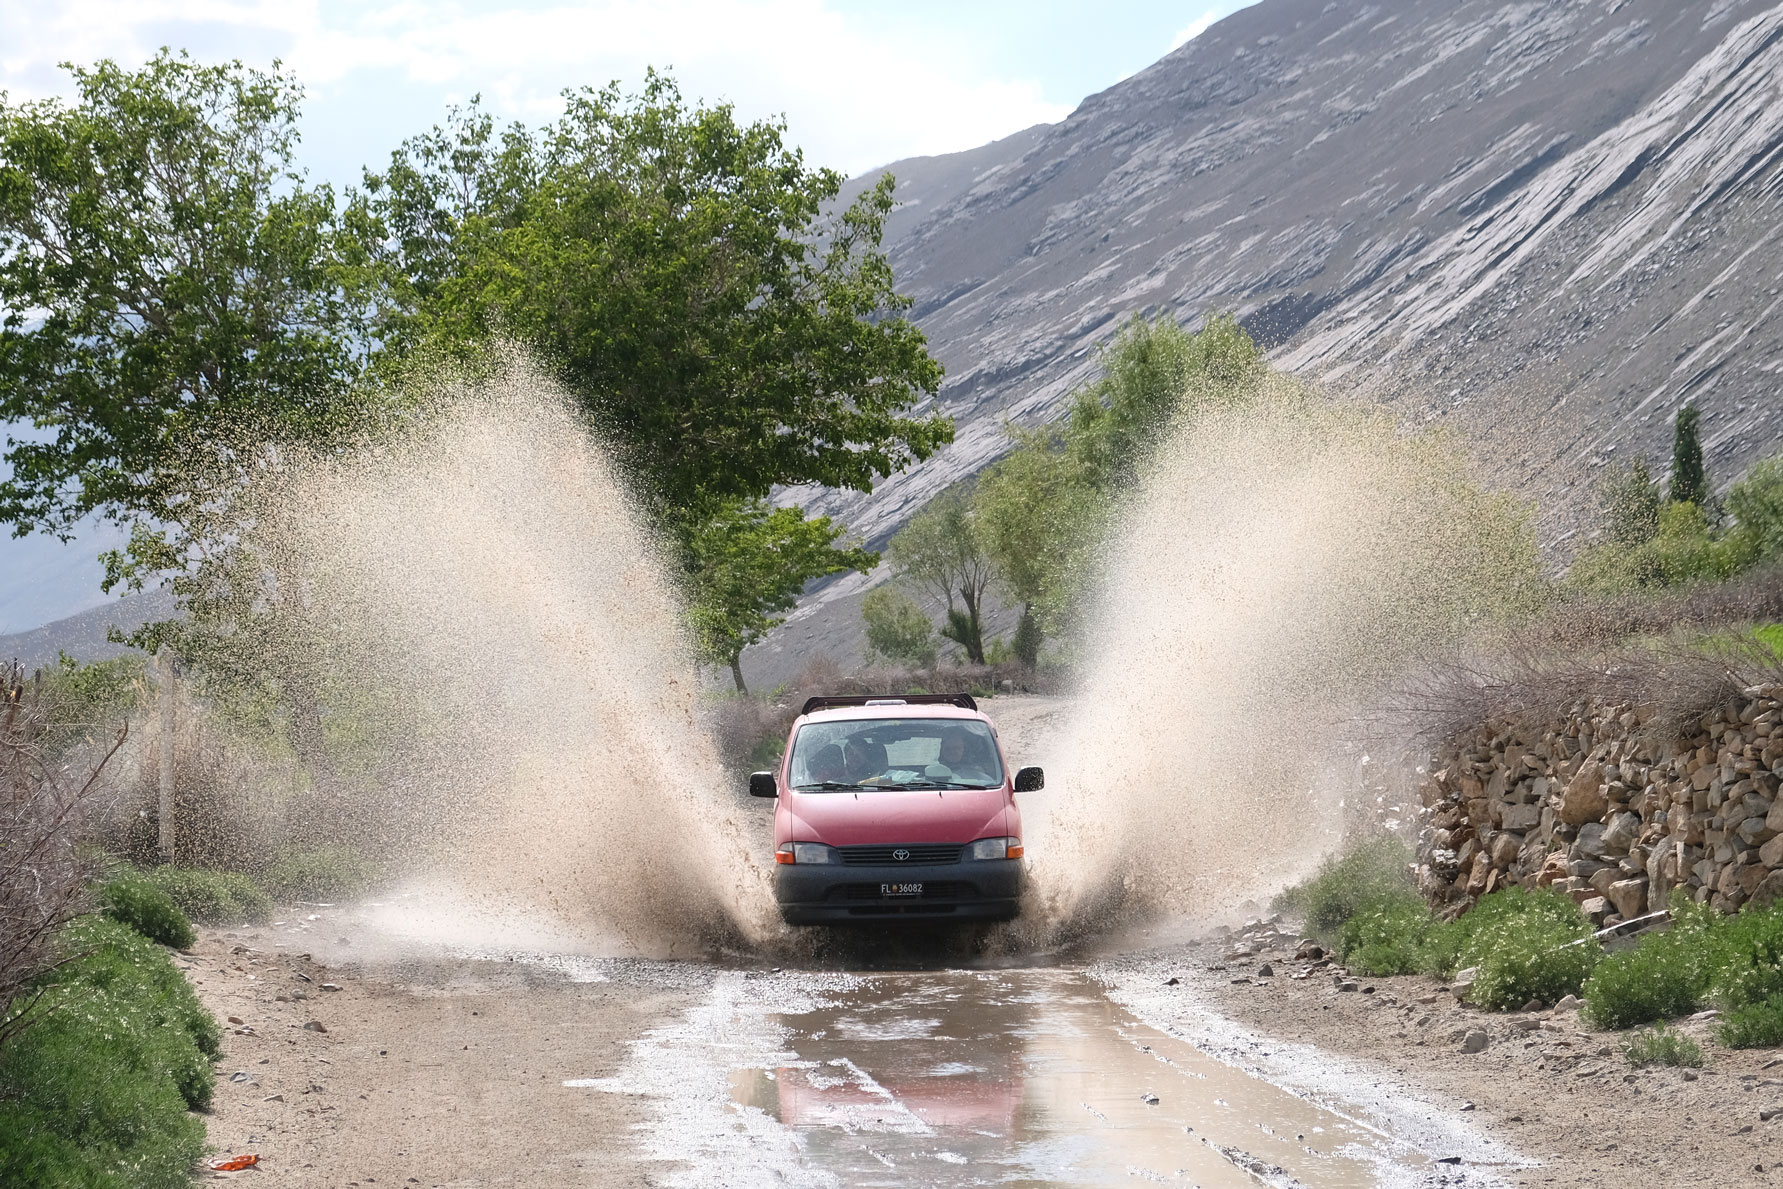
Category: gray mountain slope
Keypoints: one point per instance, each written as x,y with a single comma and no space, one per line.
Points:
1550,223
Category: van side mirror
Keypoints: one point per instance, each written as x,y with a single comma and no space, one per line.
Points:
763,784
1028,780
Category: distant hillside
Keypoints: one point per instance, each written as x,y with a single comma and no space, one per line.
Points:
83,636
1548,223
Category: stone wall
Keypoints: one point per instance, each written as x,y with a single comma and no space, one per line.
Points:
1604,805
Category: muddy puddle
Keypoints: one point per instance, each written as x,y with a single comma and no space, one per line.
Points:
1033,1077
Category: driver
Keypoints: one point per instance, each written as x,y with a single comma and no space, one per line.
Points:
863,759
958,761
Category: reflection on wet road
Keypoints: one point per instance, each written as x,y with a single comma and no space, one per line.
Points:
1033,1077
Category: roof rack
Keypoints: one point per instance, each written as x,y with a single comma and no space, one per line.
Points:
963,701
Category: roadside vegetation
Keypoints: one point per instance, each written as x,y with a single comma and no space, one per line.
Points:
1515,947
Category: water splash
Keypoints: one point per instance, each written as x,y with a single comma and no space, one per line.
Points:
1280,562
510,653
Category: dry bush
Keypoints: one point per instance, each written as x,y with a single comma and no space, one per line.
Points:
1677,681
42,878
1587,621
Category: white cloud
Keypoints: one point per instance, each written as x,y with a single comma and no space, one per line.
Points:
1194,29
852,100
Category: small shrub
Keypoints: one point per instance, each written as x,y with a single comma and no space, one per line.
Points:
97,1092
1753,1026
1665,976
1662,1046
1746,964
326,873
1386,935
1367,874
134,900
1522,945
214,897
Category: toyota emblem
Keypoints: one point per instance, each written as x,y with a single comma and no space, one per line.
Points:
900,855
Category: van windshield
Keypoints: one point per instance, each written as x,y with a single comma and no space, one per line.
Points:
895,753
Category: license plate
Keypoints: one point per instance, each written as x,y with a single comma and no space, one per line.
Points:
900,889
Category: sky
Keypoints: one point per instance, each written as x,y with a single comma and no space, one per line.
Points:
861,83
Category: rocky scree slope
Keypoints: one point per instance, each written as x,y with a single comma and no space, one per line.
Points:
1550,223
1566,212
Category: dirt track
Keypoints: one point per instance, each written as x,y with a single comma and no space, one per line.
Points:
512,1062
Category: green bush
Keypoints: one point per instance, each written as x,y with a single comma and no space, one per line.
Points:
132,899
1746,961
95,1094
1366,875
326,873
1662,1046
1771,636
1386,935
1753,1025
1663,977
214,897
1521,945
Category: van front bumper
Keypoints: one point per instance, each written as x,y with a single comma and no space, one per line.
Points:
839,894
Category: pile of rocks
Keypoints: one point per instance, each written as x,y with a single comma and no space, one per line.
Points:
1606,807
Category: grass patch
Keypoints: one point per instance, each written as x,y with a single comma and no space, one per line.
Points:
1663,977
136,901
1365,876
214,897
96,1092
1771,636
325,873
1660,1045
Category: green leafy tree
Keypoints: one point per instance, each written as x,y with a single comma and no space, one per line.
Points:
748,565
1630,501
1756,505
897,628
940,551
173,296
1153,372
1040,519
1044,508
687,276
1689,484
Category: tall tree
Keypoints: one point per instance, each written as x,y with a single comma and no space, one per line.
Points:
687,276
1630,501
173,295
940,551
1689,484
749,564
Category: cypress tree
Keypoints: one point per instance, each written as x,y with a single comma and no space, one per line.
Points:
1689,485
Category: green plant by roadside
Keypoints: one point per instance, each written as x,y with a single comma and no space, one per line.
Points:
97,1093
1387,935
1753,1025
1660,1045
1362,875
135,900
1663,977
214,897
321,873
1527,945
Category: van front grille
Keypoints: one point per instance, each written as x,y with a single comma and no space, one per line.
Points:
914,855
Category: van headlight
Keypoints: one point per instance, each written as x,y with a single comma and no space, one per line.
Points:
806,853
993,848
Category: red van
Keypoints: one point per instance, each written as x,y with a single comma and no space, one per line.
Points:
892,808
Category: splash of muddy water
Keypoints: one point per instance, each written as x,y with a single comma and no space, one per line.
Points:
500,614
1278,564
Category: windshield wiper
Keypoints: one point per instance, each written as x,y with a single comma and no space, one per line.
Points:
834,786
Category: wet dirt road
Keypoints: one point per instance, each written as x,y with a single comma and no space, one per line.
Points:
1033,1077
